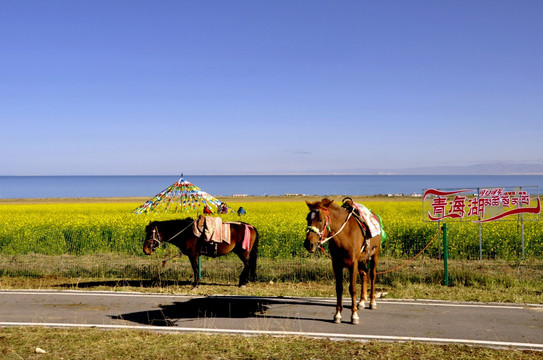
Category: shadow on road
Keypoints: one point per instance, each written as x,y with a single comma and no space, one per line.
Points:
213,307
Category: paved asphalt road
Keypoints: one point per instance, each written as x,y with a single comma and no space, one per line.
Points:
394,320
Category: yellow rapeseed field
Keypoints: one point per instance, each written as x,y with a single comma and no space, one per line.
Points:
91,228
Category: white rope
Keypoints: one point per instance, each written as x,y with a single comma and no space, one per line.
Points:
340,229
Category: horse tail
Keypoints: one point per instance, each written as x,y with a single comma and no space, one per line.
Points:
253,256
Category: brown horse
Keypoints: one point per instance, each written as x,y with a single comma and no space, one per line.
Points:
351,246
180,233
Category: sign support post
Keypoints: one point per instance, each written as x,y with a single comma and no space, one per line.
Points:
445,255
439,242
522,233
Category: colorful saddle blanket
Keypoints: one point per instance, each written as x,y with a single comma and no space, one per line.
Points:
372,220
213,229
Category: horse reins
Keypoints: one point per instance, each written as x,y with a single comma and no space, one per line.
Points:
413,258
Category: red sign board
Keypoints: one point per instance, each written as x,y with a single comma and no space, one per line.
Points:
480,204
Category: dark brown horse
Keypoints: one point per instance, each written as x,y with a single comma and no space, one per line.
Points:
351,246
243,242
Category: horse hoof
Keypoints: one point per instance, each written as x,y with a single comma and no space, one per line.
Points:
362,304
373,305
337,319
355,320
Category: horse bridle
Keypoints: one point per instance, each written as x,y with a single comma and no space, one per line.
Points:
327,226
155,238
316,230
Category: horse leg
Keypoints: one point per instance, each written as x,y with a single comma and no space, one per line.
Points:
353,270
338,272
194,263
373,275
364,287
244,276
253,258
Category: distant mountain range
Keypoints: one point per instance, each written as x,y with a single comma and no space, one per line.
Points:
476,169
498,168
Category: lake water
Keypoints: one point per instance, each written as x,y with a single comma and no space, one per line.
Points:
12,187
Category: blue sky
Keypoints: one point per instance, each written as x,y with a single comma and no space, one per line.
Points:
238,87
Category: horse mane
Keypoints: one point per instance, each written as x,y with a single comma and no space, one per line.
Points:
170,223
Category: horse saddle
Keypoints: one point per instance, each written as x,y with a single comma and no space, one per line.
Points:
361,217
350,206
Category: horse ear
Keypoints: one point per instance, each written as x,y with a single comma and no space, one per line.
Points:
312,205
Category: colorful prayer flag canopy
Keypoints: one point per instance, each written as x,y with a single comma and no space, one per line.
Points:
181,196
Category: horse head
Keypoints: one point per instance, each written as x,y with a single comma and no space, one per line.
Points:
152,238
318,223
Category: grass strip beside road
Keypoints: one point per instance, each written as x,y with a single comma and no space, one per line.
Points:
88,344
